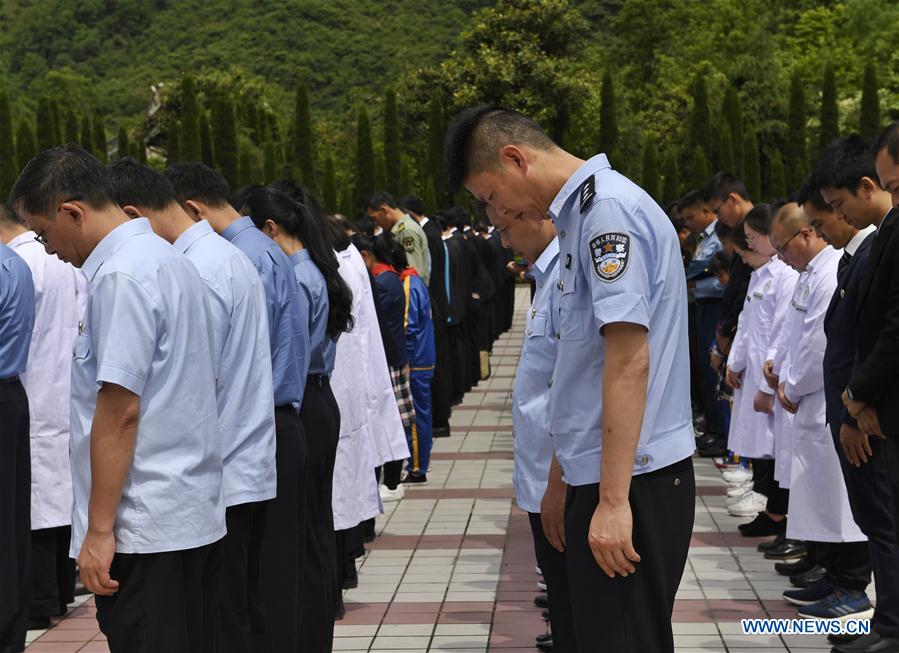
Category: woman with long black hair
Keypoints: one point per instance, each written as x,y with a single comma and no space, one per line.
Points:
297,228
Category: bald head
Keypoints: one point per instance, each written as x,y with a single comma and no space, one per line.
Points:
794,238
791,217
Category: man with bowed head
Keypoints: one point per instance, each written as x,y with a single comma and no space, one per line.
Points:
619,406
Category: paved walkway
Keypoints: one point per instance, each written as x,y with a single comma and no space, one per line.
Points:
453,567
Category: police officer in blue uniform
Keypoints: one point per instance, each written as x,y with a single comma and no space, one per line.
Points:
619,409
16,323
145,446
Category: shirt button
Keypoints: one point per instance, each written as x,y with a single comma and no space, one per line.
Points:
530,332
558,336
550,384
533,312
644,460
676,482
562,235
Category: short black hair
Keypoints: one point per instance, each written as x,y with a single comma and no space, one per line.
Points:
722,185
381,198
474,138
810,193
131,182
888,139
57,175
691,198
723,231
844,163
759,219
197,181
412,204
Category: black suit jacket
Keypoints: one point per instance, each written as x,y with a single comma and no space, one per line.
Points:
734,298
839,326
437,284
875,380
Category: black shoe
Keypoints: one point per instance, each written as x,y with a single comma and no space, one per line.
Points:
713,451
836,640
789,549
801,566
546,646
441,431
415,479
340,612
762,526
873,642
706,441
813,575
38,623
541,601
771,544
544,637
545,615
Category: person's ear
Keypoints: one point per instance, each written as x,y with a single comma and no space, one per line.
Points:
513,156
75,209
270,228
193,210
867,186
132,211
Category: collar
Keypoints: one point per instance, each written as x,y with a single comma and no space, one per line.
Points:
409,272
575,181
819,257
491,229
424,221
857,240
191,235
239,225
112,242
545,261
380,268
708,231
299,256
21,239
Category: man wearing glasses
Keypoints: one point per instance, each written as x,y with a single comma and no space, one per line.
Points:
16,322
819,504
145,453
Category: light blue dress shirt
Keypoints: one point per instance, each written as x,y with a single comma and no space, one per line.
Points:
16,313
530,397
288,337
619,261
314,292
708,287
246,408
145,329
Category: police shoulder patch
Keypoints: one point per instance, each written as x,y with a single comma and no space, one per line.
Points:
400,227
408,243
610,254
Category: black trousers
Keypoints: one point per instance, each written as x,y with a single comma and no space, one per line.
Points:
15,516
868,488
282,555
632,614
52,572
441,383
165,602
318,587
552,564
891,451
242,613
848,565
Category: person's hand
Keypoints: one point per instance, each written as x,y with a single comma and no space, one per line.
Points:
552,515
763,403
855,445
512,266
94,562
788,405
734,379
854,407
770,377
868,422
610,539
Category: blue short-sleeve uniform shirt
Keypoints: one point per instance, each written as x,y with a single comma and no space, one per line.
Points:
16,313
145,329
619,261
240,344
312,288
288,337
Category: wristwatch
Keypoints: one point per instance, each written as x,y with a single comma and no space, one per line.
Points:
849,393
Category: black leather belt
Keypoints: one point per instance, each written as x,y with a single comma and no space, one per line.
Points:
317,380
9,380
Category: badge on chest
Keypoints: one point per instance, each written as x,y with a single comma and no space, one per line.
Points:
610,254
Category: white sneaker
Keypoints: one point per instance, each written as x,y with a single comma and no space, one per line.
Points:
541,585
737,498
739,490
388,495
737,476
752,504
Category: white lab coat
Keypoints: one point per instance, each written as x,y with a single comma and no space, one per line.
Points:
60,294
778,351
752,433
354,491
819,505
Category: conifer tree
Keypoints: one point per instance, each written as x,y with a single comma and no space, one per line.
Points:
869,118
726,161
26,143
59,126
435,148
329,185
391,143
122,149
46,132
9,171
270,162
608,119
142,152
671,180
752,172
71,127
651,168
205,140
830,113
86,140
380,172
777,185
224,138
699,168
304,146
173,144
795,157
100,148
733,113
190,121
364,177
701,119
345,204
